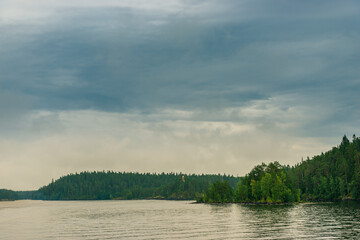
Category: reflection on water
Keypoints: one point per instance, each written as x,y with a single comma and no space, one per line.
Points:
151,219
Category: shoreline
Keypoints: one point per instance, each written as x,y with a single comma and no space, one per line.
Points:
269,204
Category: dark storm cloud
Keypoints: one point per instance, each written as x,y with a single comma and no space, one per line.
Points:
123,58
117,59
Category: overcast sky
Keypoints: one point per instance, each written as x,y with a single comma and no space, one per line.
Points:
191,86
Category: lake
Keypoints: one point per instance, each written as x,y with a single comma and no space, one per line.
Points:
160,219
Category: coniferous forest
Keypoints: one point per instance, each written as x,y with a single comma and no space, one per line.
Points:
331,176
122,185
114,185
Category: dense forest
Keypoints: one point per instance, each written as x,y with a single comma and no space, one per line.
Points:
8,195
332,176
264,184
117,185
11,195
122,185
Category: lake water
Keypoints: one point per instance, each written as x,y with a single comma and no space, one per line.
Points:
157,219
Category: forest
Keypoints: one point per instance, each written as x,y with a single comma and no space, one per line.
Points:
330,176
122,185
11,195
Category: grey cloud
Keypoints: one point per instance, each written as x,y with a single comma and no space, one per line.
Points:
118,61
199,75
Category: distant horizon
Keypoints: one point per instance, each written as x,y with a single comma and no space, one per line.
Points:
169,172
173,172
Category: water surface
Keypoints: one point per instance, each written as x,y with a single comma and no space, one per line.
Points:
157,219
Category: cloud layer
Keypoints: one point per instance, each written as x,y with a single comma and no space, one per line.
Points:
192,86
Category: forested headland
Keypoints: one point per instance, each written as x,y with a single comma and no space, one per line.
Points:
330,176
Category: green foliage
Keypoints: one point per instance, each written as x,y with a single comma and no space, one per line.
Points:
255,189
219,192
122,185
8,195
331,176
267,183
17,195
241,193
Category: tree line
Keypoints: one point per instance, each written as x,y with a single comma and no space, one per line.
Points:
124,185
11,195
331,176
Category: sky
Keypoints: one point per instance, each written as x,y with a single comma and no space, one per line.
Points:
190,86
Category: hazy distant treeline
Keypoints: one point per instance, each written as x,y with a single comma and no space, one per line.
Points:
11,195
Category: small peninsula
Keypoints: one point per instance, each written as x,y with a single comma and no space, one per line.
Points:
331,176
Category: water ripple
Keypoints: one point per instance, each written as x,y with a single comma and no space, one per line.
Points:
149,219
